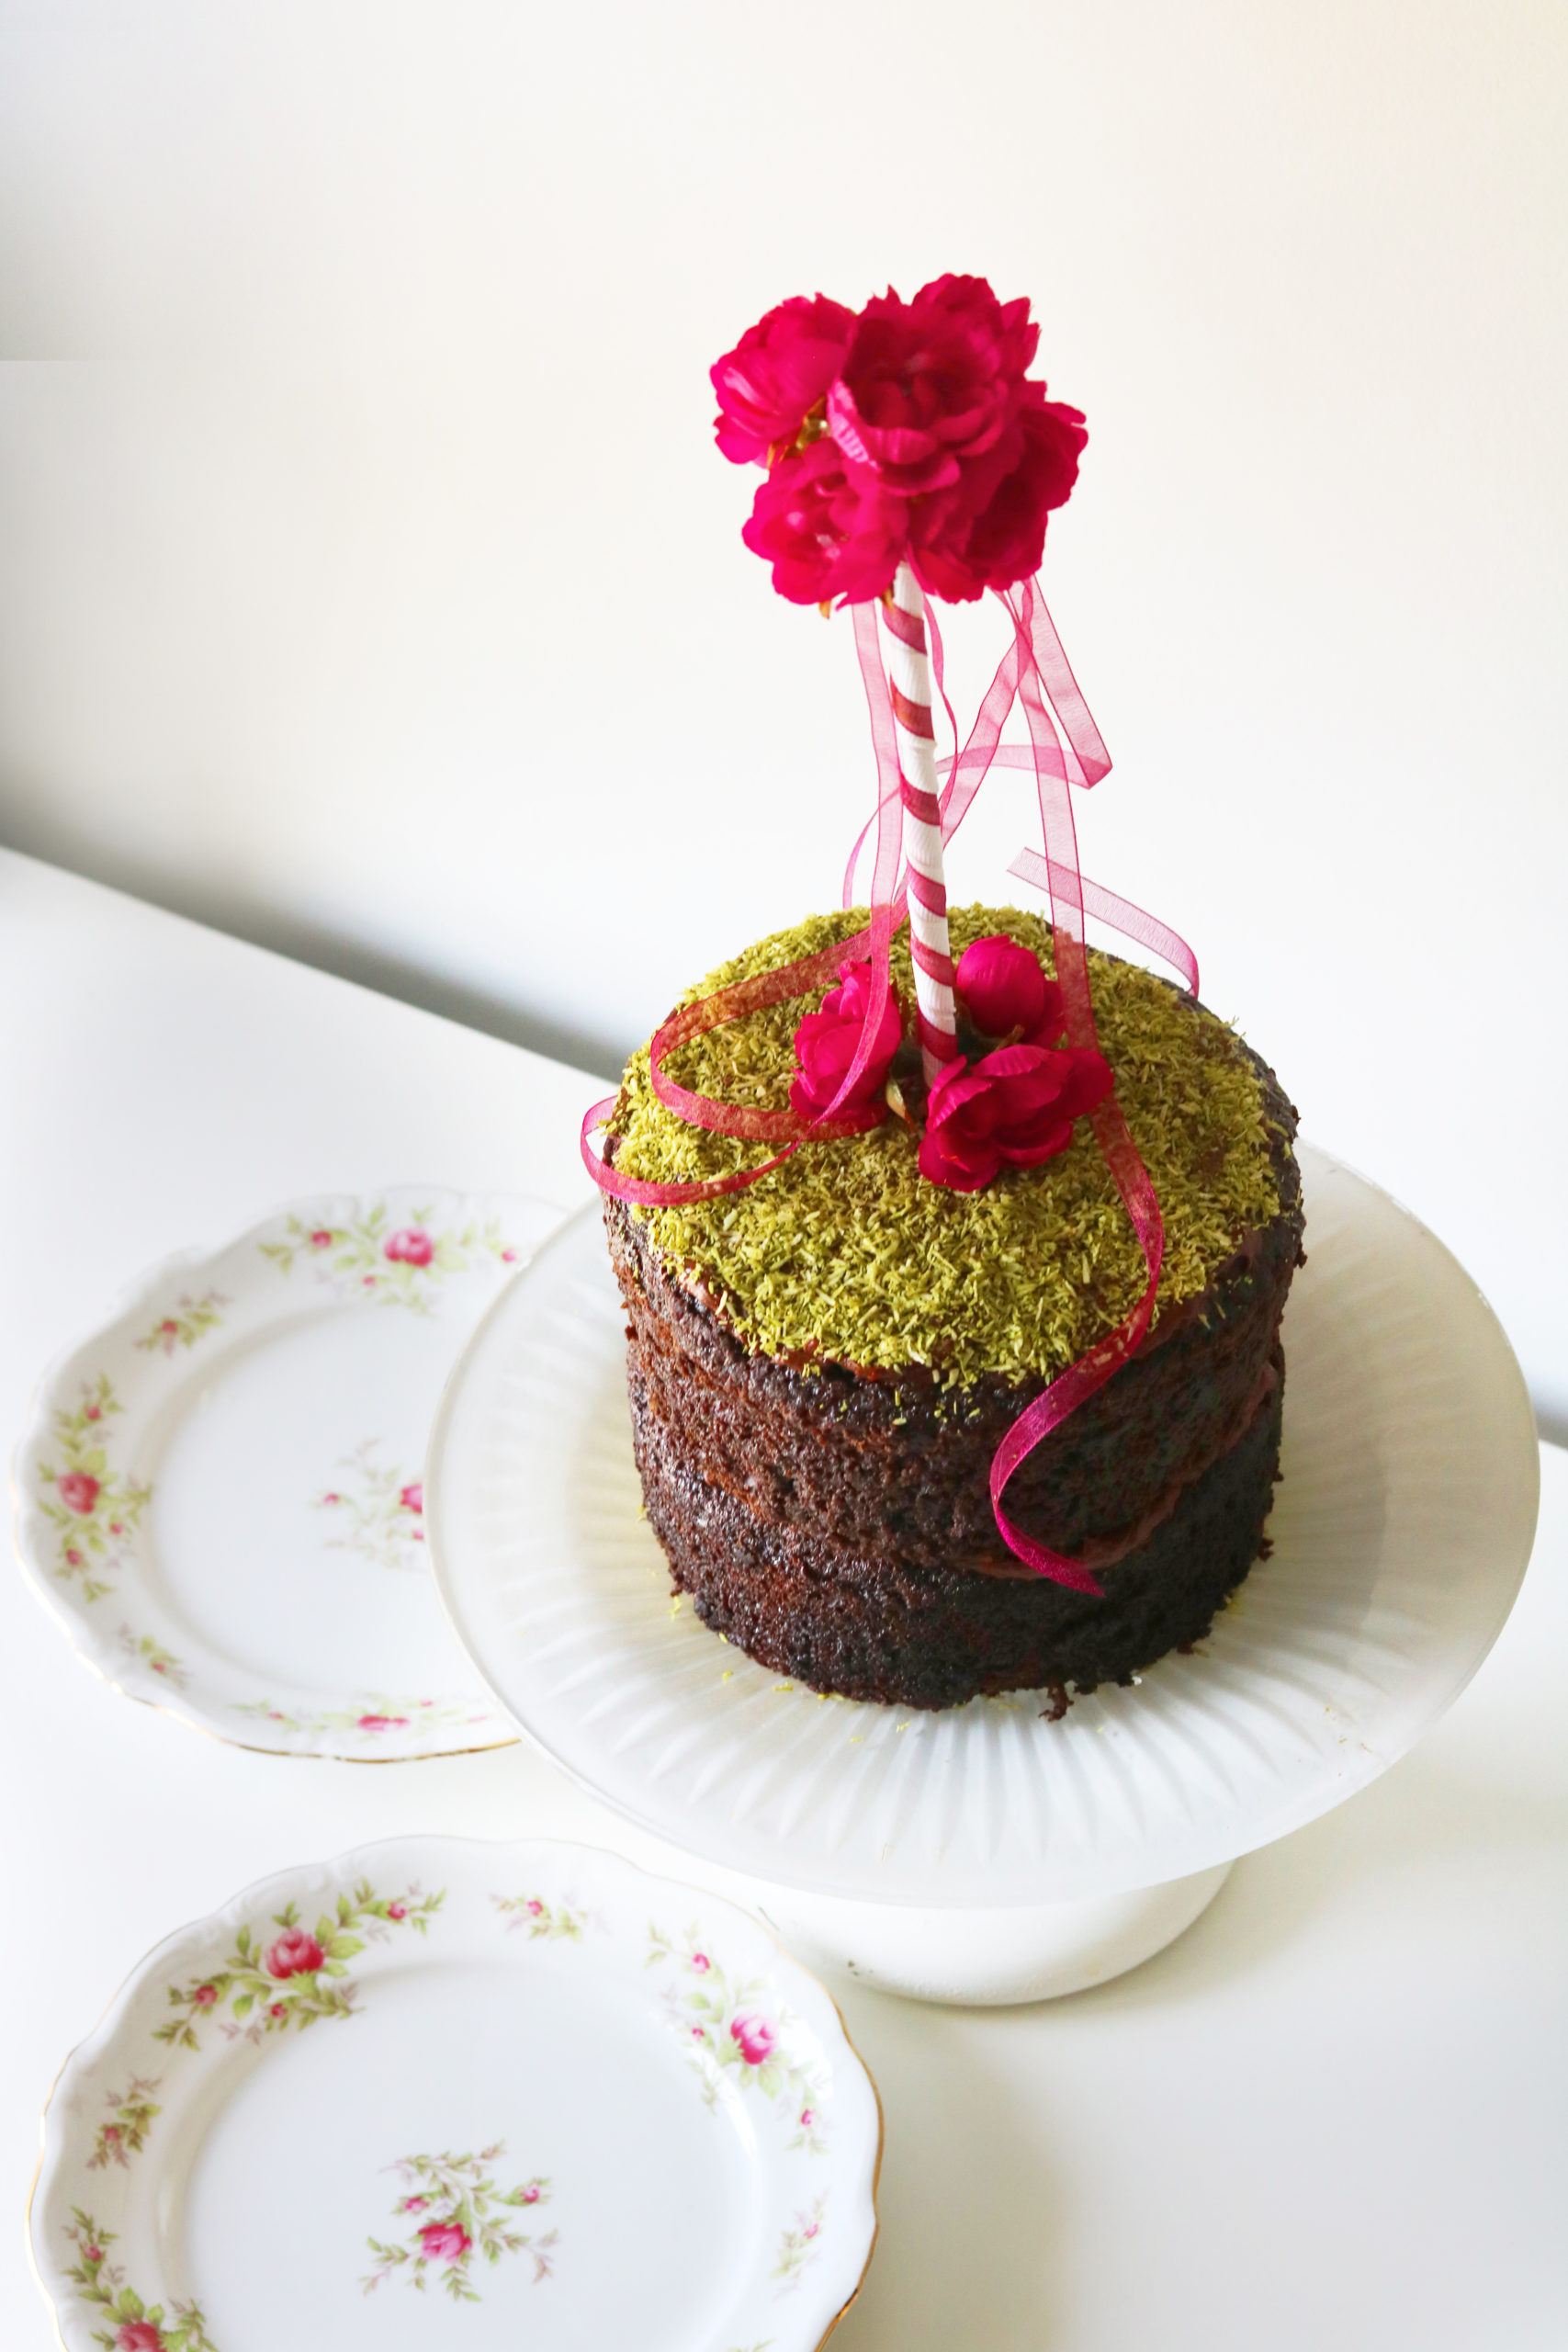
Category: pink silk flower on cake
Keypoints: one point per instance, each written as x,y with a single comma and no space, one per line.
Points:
825,1046
1015,1107
1004,990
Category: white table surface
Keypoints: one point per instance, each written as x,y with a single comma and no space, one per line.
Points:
1335,2114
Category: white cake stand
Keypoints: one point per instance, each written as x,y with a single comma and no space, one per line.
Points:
986,1853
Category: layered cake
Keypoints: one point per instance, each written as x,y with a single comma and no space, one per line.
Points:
822,1366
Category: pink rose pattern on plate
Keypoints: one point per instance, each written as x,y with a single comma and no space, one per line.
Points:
270,1982
94,1510
454,2213
562,1922
124,2134
799,2244
153,1657
385,1264
182,1323
375,1511
130,2325
740,2031
374,1716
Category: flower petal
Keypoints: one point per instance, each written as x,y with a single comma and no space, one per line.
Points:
1002,986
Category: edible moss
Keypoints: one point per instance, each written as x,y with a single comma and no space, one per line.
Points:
847,1254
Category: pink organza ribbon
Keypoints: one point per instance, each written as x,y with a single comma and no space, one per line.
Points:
1065,748
1045,683
787,1127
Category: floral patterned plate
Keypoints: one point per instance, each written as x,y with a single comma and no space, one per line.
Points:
605,2107
220,1494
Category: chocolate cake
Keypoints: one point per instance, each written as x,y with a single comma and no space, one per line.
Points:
821,1367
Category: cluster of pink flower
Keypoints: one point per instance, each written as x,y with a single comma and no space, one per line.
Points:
908,429
1014,1107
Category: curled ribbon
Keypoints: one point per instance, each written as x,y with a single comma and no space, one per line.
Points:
1065,748
788,1127
1045,679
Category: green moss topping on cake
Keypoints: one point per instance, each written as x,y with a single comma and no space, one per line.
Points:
847,1252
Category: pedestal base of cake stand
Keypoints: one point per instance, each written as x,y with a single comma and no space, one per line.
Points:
983,1957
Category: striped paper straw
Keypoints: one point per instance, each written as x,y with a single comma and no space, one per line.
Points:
908,673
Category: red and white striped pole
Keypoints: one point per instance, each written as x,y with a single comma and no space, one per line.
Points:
908,673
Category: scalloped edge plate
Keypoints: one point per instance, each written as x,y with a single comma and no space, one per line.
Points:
213,2174
326,1526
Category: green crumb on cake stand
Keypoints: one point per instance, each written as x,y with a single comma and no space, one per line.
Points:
847,1253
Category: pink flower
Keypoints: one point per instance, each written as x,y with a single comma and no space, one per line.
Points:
332,1499
278,2009
295,1953
1016,1108
111,2133
531,2194
78,1492
755,2034
321,1238
397,1911
701,1963
204,1995
170,1326
93,1412
811,2229
444,2242
533,1907
140,2336
777,375
411,1247
933,402
114,1527
826,534
92,2254
697,2033
991,531
1003,989
808,2117
73,1554
929,383
825,1046
509,1257
414,2204
412,1497
382,1723
937,447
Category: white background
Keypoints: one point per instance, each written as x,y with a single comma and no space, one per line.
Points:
368,581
